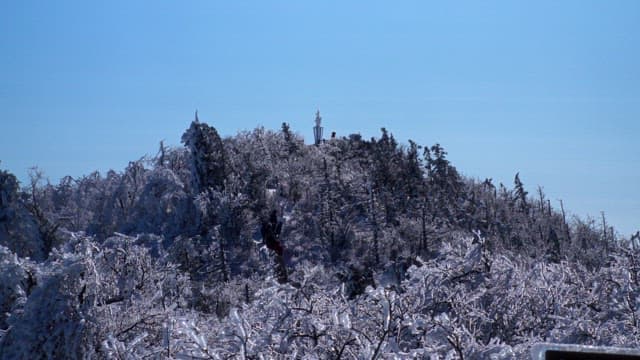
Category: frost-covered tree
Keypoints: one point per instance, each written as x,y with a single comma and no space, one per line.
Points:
386,160
20,231
444,184
92,301
162,207
521,194
388,255
208,156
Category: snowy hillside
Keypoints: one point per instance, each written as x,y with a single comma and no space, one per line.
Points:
259,246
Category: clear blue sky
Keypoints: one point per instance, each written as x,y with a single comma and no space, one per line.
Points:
550,89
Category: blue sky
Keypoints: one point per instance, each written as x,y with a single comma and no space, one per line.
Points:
550,89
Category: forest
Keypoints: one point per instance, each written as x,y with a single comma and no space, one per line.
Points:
258,246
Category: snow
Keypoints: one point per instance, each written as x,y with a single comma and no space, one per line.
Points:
390,255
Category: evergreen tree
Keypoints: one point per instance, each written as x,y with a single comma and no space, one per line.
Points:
8,192
292,145
521,194
444,183
208,155
386,171
412,175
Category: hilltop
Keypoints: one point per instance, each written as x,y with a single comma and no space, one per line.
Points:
387,249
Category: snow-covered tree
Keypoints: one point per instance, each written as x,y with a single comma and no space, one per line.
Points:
387,254
209,160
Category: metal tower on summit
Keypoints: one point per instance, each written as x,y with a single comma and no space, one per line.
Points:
317,130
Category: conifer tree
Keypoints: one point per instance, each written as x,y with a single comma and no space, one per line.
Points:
521,194
291,143
412,175
208,156
386,172
444,183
